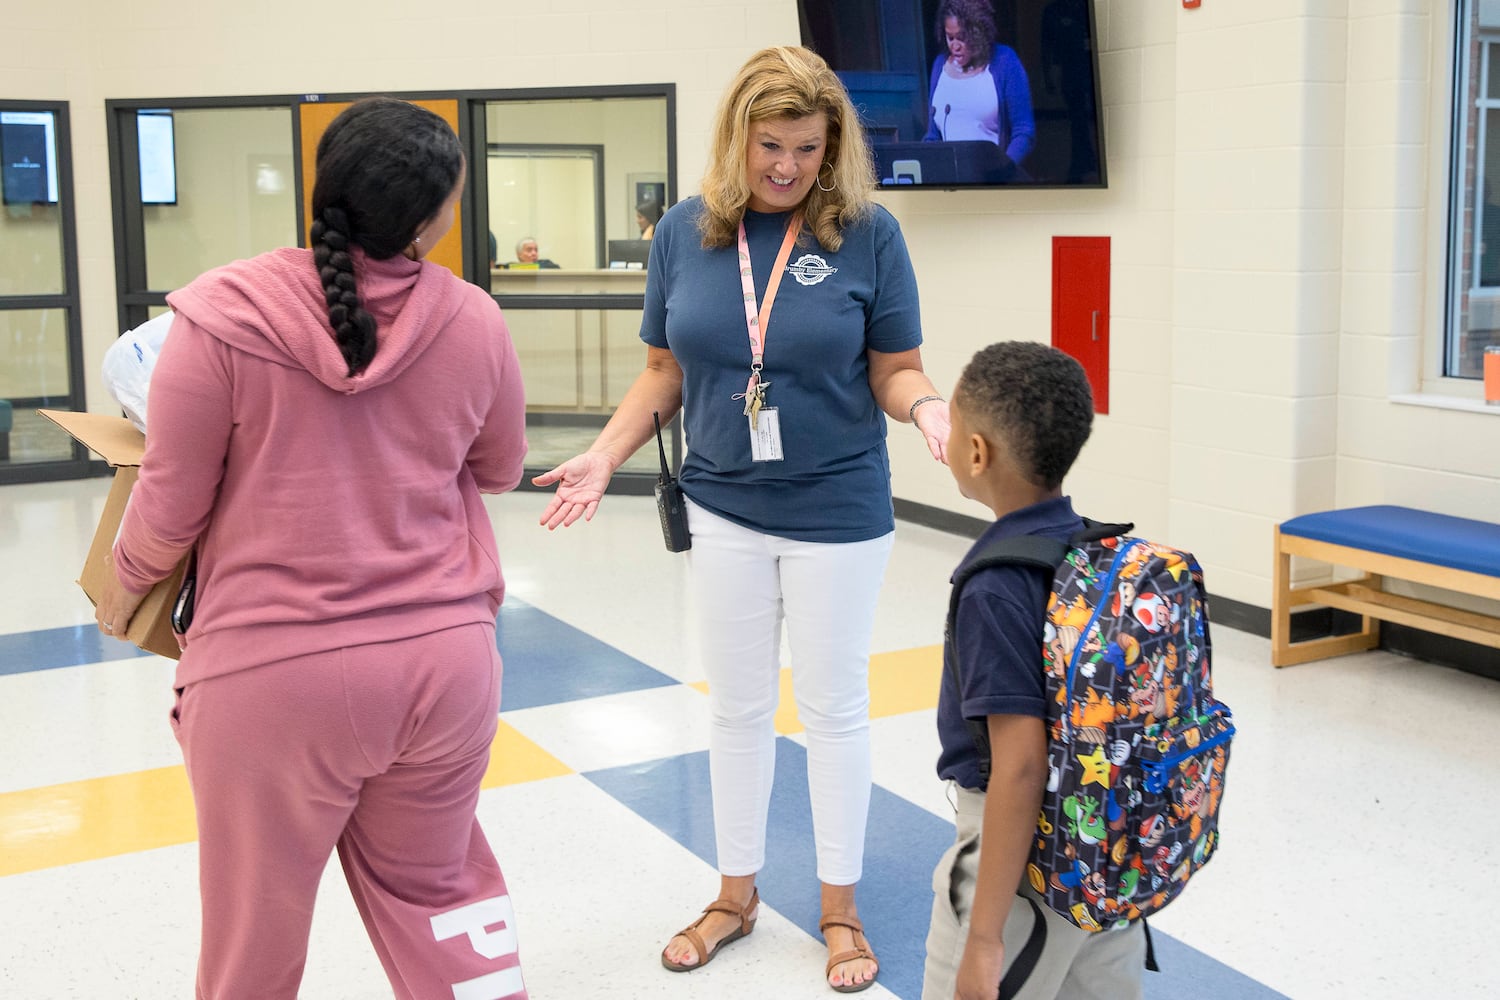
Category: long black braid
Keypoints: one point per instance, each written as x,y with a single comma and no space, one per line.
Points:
384,169
353,328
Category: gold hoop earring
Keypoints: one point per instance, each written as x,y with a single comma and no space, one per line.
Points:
819,179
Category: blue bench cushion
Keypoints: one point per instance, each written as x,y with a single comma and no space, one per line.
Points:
1410,534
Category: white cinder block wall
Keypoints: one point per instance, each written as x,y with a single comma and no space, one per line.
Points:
1254,367
1276,206
1278,212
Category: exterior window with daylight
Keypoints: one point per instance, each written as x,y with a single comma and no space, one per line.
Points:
1473,315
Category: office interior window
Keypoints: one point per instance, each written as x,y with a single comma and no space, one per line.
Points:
31,245
219,188
570,192
585,179
40,335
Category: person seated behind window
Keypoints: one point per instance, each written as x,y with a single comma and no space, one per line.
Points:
647,215
529,256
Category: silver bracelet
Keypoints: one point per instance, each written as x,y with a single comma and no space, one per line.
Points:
911,414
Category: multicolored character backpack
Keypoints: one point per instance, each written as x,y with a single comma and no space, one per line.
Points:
1139,746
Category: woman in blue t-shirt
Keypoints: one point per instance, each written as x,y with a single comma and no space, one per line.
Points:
786,472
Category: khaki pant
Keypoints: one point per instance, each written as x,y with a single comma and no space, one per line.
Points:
1074,964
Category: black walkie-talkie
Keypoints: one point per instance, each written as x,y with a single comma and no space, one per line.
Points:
671,506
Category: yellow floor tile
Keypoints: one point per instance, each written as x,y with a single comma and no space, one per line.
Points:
98,818
103,817
903,681
515,759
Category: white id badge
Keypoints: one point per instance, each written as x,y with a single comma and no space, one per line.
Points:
765,440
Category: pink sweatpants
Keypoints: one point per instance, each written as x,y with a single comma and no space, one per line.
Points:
377,751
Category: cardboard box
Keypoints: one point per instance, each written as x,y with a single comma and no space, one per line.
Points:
121,445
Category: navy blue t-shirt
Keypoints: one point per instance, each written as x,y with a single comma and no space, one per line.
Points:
834,484
997,641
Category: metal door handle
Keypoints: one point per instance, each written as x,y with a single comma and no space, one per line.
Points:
1094,325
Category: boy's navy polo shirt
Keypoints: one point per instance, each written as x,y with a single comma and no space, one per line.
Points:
997,641
834,485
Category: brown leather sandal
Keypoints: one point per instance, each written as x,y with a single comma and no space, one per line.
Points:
706,954
861,949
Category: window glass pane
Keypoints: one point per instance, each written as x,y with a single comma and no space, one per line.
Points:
1483,331
31,256
27,436
234,188
1476,317
1488,211
33,353
580,360
1473,294
572,174
548,191
553,438
33,371
1479,324
578,364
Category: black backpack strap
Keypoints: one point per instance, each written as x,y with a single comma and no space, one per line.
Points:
1026,959
1030,955
1036,551
1021,550
1095,530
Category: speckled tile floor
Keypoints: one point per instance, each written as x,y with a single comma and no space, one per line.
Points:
1354,860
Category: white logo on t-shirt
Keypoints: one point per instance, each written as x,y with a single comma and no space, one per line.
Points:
810,269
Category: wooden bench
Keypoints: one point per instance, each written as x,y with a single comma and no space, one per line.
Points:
1436,550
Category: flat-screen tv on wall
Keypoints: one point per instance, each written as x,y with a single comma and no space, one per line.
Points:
969,93
28,158
156,138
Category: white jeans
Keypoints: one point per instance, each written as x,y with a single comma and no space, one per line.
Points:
745,584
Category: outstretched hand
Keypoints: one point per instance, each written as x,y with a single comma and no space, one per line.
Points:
581,482
933,421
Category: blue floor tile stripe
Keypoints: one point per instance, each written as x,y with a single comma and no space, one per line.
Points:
49,649
1187,972
903,844
548,661
894,895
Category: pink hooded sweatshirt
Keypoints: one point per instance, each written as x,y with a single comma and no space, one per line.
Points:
330,510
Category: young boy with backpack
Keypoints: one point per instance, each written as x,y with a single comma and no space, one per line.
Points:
1080,738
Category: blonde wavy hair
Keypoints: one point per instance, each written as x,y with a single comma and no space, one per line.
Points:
779,83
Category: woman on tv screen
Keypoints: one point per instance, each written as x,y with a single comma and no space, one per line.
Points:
978,88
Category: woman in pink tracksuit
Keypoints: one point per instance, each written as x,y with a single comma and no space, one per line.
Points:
323,422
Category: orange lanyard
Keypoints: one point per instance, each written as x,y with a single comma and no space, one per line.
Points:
757,322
